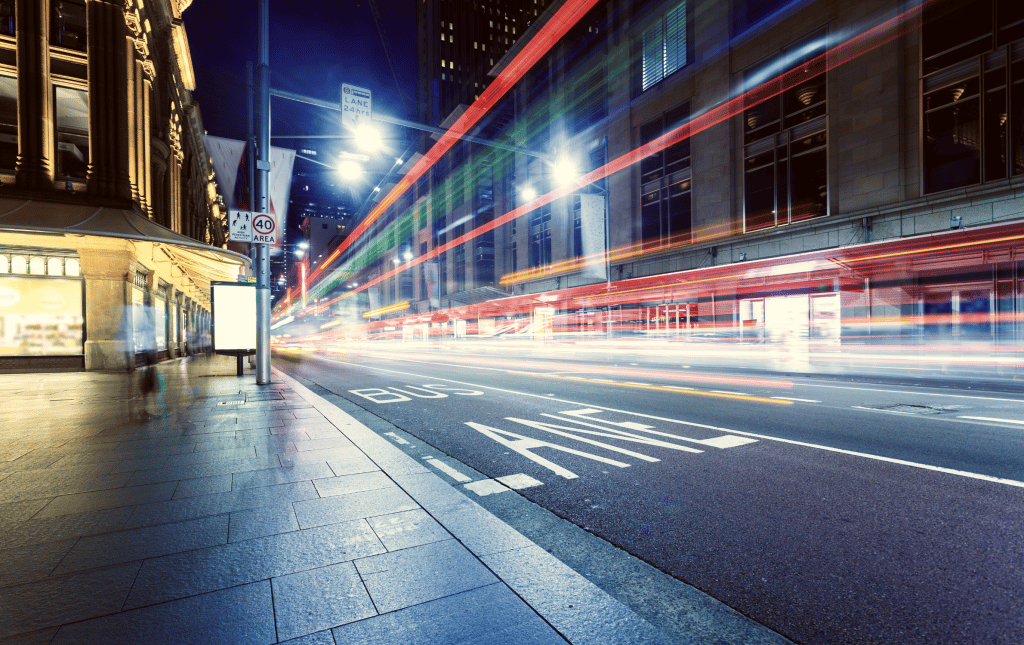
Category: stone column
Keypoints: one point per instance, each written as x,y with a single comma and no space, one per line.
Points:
110,58
36,149
108,268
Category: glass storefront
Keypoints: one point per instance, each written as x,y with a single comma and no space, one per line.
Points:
40,316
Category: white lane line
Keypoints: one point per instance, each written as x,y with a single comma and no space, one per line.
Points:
486,487
396,438
519,480
949,471
789,398
446,469
861,407
942,394
994,420
729,392
679,387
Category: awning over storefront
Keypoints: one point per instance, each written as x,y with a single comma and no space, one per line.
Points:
199,263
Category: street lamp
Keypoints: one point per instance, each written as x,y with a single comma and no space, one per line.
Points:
367,137
349,170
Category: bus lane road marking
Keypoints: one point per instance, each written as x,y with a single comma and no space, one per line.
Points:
757,436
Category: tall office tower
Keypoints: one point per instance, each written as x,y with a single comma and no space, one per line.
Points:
459,41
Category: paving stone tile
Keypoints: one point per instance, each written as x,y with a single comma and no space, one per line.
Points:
342,508
320,638
242,615
260,522
349,460
212,457
17,512
323,444
205,505
479,530
203,486
575,606
199,470
352,483
220,567
411,576
65,526
281,475
41,637
321,433
50,483
318,599
136,464
33,562
147,542
65,599
112,498
492,615
407,529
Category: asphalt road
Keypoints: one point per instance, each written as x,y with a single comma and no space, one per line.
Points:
828,510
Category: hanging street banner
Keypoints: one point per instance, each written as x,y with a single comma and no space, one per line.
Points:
232,170
356,105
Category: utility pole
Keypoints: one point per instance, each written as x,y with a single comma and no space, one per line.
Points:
262,204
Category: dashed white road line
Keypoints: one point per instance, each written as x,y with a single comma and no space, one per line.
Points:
994,420
447,470
396,438
731,392
790,398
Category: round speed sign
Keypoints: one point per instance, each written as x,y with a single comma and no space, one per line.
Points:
263,224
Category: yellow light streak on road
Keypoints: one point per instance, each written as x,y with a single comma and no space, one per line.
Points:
717,395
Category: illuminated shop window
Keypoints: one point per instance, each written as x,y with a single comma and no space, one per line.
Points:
54,266
5,264
19,264
36,266
71,267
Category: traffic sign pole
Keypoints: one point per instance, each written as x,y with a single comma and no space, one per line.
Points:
262,197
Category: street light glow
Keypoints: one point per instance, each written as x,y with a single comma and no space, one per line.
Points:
349,170
564,171
367,137
528,193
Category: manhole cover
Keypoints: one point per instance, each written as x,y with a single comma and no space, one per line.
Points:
910,408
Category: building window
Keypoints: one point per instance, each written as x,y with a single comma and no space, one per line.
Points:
972,93
540,236
515,258
665,182
785,161
72,123
664,47
460,268
8,123
68,29
7,17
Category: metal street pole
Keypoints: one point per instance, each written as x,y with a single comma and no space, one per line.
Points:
262,204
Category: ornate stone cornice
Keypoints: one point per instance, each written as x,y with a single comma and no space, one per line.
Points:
150,69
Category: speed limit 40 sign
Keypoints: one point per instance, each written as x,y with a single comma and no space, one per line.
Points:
264,229
246,226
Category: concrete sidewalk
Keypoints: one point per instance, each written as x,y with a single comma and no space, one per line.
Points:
254,514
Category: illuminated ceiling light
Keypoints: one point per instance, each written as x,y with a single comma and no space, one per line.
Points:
349,170
528,193
367,137
408,255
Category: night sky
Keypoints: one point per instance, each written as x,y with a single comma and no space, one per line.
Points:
315,46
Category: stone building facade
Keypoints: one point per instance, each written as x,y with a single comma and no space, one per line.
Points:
110,224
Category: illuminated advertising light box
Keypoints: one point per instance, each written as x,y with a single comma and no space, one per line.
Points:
234,317
40,316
